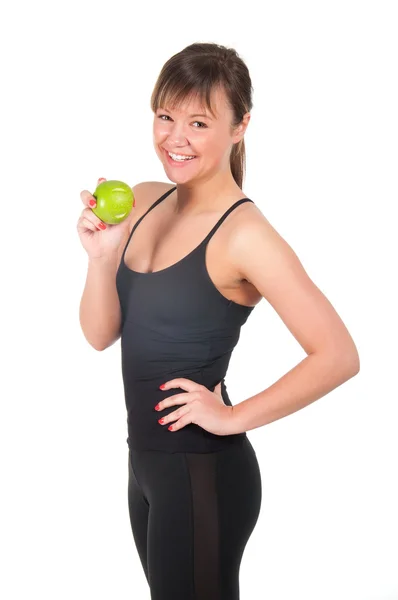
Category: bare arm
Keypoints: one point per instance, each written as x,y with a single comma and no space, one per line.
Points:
100,313
265,259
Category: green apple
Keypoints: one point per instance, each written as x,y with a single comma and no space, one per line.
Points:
115,199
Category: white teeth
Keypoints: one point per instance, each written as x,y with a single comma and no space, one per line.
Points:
179,157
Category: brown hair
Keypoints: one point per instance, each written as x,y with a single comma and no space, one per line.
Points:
199,69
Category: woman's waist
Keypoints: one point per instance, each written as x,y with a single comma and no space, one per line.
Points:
144,372
142,395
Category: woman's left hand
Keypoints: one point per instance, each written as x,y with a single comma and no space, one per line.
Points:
200,406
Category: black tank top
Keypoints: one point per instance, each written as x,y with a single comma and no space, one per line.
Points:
175,323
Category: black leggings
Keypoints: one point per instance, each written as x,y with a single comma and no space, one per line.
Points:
191,516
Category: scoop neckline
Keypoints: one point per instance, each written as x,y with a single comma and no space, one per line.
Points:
223,298
184,258
204,241
165,268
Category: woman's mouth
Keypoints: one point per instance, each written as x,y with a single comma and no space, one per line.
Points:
183,162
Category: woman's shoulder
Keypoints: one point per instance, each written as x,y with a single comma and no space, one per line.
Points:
148,188
147,192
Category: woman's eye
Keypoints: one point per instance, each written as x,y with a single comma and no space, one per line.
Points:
200,122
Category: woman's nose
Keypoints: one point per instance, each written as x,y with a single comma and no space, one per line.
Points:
177,134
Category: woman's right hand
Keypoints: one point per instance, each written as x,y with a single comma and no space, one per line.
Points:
100,240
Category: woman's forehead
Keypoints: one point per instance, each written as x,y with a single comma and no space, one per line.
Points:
194,105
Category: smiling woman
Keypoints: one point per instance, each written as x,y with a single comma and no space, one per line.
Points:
210,82
195,263
187,470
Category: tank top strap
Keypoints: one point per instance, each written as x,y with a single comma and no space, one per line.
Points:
158,201
224,216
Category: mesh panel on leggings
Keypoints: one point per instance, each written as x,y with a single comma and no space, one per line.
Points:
206,564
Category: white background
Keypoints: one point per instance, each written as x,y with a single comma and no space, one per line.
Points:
321,165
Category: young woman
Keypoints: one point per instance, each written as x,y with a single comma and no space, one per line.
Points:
176,281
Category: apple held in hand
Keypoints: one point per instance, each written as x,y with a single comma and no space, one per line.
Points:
115,199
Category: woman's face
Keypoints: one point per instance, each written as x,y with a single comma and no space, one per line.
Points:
188,131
